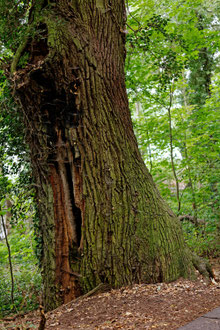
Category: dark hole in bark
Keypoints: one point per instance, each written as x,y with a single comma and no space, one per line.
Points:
76,210
61,109
39,77
45,3
39,50
37,47
160,277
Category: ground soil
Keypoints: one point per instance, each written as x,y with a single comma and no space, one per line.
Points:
143,306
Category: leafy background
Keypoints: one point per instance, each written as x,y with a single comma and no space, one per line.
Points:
173,84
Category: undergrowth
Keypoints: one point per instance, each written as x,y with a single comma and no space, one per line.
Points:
26,273
204,239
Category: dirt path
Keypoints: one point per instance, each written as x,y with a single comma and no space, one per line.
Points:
157,306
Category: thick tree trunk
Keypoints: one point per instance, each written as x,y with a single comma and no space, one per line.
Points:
101,216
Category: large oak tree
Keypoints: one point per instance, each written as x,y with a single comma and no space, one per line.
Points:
102,219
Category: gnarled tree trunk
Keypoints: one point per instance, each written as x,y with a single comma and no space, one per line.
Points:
101,216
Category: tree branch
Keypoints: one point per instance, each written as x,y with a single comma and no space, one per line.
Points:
191,219
9,259
20,50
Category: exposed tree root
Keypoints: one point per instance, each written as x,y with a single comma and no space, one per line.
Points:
192,219
203,266
42,319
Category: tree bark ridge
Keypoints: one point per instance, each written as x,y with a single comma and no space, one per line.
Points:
101,215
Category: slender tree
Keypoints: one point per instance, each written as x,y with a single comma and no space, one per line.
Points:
9,257
171,150
101,216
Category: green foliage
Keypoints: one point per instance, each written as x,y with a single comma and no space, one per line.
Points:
20,232
13,15
16,188
205,239
172,64
26,272
23,60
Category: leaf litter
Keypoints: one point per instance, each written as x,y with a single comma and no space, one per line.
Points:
141,306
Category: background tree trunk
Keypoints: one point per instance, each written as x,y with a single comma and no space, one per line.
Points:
101,216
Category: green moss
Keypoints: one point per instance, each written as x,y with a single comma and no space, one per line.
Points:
100,4
20,50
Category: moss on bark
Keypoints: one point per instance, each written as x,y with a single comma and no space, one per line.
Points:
102,217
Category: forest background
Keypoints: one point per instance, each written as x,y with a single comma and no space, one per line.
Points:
173,84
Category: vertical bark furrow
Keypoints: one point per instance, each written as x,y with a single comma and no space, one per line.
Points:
101,214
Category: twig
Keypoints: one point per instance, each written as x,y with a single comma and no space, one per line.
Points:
100,287
42,319
191,219
9,259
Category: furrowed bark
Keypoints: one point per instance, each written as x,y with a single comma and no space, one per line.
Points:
102,218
